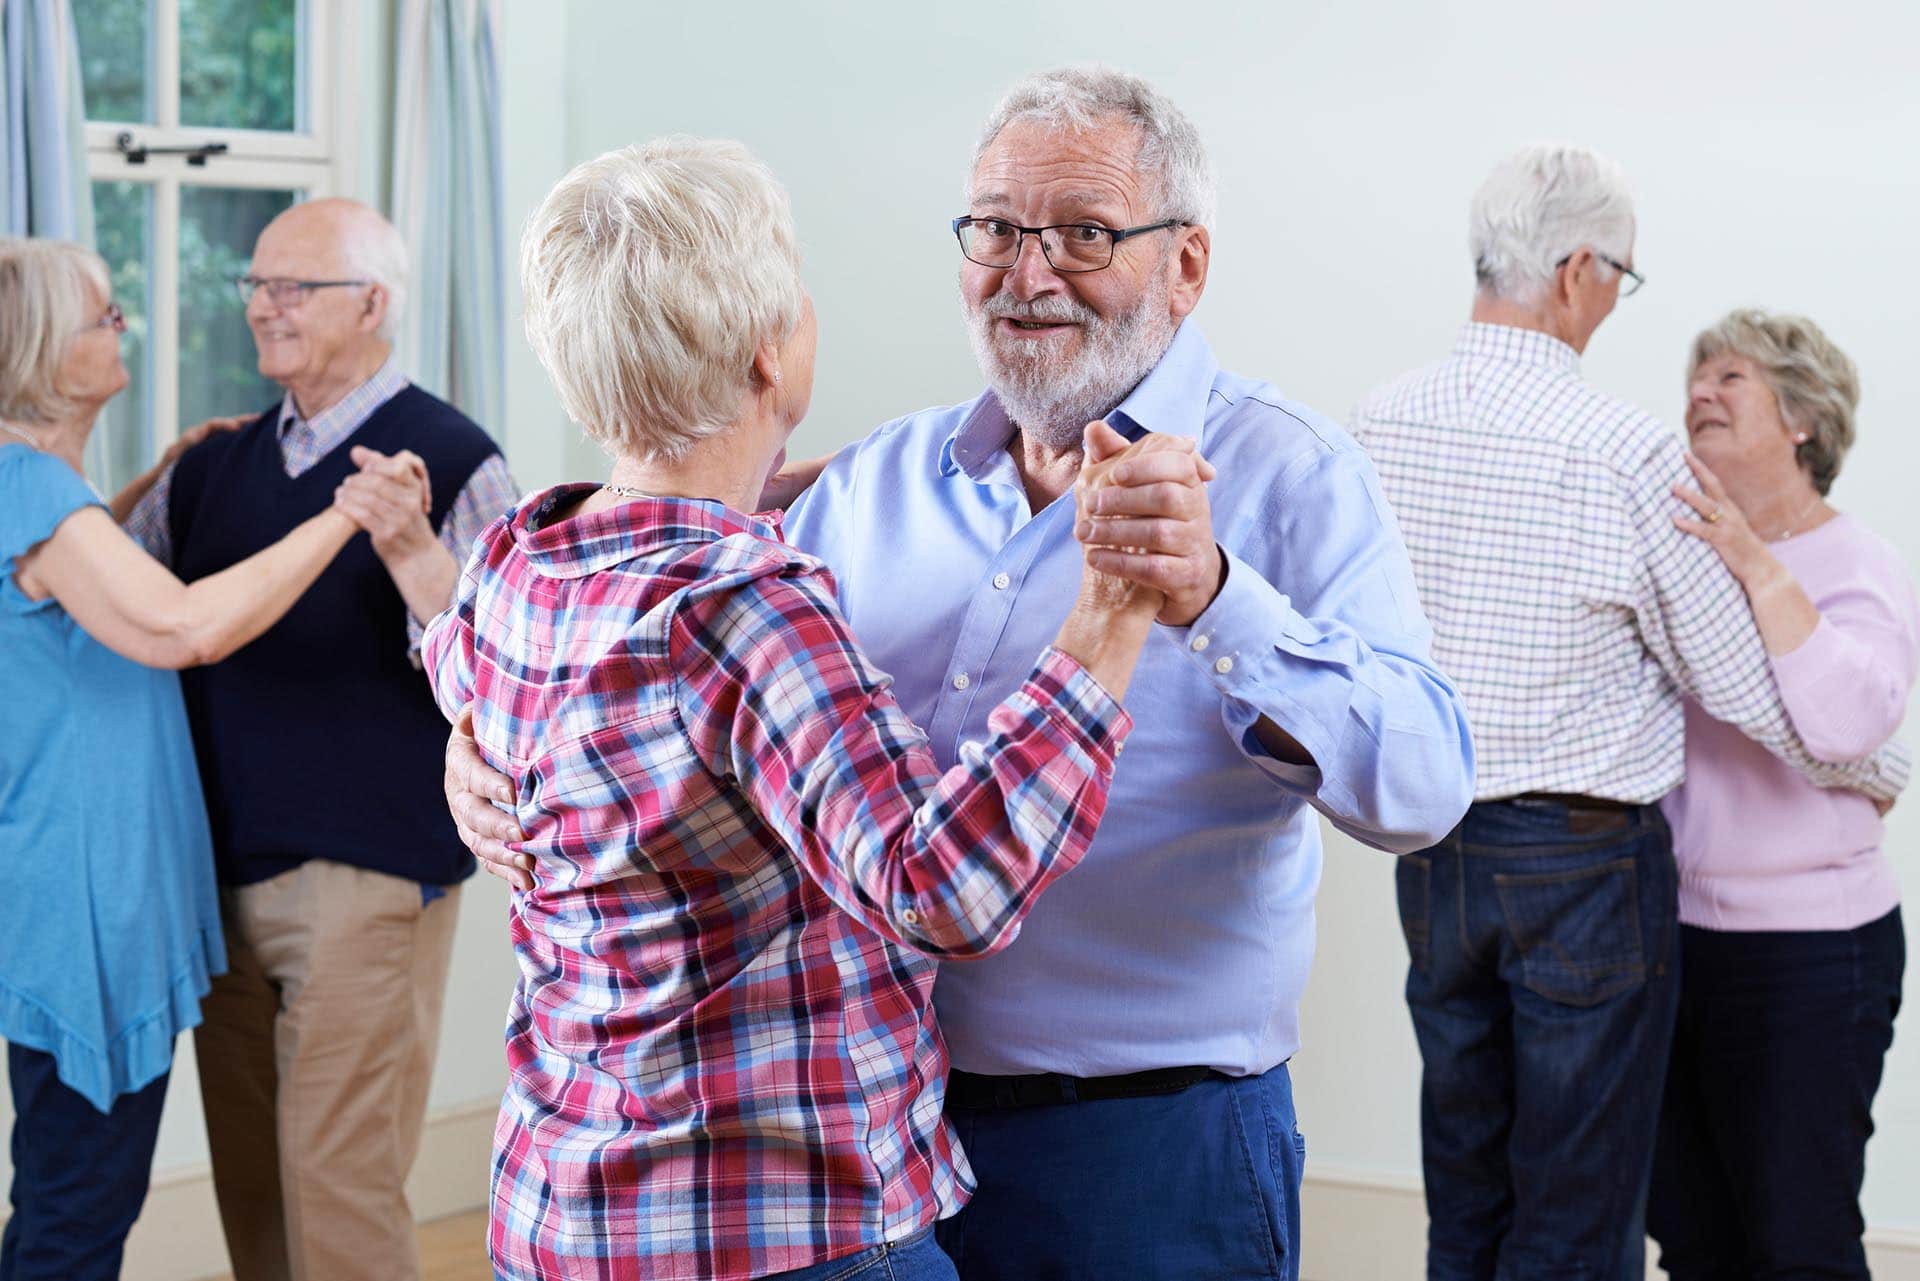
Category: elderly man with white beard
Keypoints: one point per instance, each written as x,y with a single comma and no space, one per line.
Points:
1120,1082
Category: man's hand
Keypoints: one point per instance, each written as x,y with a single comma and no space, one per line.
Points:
1149,522
389,498
785,486
484,828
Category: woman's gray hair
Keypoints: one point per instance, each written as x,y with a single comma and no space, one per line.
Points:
1539,205
1815,382
653,274
1081,98
44,306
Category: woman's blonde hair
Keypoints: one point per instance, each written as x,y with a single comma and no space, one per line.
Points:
653,274
44,306
1815,382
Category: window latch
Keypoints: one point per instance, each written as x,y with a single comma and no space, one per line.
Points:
196,156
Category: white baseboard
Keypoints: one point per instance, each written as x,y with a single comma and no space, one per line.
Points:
178,1235
1359,1225
1367,1226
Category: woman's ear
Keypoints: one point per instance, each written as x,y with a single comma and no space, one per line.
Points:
766,366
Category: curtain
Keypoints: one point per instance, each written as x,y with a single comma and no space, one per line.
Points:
43,163
447,200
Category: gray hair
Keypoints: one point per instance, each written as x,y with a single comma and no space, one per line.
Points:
1815,382
653,275
1539,205
1076,99
43,307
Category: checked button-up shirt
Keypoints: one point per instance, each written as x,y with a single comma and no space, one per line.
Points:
722,1056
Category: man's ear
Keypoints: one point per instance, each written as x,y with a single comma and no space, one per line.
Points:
1191,254
374,313
1568,279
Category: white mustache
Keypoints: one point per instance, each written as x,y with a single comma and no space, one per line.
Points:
1053,309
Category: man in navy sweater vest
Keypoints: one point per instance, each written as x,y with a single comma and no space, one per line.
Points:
318,1043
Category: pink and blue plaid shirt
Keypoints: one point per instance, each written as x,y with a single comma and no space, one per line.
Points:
723,1061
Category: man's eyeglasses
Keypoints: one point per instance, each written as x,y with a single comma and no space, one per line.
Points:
112,318
1634,278
289,293
1069,246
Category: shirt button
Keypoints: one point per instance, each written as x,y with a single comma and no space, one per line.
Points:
1201,642
1001,582
1223,665
909,917
961,681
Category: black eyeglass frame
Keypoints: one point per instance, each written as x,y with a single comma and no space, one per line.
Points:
1114,236
248,285
1621,267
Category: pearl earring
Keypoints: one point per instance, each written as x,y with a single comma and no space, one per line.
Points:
1800,439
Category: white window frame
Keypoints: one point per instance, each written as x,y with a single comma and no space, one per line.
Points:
315,160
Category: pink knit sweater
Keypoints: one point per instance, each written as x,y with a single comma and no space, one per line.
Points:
1759,847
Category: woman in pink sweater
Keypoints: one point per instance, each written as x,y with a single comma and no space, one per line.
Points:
1791,944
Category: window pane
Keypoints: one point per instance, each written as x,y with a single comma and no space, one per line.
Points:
239,64
113,59
219,374
123,228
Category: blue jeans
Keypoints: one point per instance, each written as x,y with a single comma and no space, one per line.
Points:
1543,982
1763,1136
79,1177
1200,1185
917,1258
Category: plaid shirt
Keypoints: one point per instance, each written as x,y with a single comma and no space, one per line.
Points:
1567,608
305,441
722,1056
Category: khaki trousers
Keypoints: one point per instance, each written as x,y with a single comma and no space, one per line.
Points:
315,1052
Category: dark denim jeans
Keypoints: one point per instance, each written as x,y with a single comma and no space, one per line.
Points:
1763,1136
79,1176
918,1258
1542,984
1199,1185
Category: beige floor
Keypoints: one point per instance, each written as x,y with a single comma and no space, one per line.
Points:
451,1249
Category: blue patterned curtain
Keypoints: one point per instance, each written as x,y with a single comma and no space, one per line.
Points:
448,202
43,165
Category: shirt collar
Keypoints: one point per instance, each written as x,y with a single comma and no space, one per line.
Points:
1516,345
1171,399
590,542
347,415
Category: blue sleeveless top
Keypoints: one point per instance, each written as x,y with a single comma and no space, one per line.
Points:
110,925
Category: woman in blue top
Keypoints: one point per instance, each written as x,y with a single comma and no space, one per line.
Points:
109,930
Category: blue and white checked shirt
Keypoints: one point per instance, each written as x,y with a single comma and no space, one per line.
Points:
1186,936
1572,613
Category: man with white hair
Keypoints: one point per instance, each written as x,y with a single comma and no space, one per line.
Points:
318,1042
1574,615
1120,1083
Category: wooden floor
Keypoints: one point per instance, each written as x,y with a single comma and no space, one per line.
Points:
451,1249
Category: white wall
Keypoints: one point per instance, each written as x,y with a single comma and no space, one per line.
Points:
1773,148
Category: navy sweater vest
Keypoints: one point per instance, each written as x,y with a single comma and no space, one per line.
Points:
320,739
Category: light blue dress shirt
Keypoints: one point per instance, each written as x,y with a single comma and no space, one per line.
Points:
1187,934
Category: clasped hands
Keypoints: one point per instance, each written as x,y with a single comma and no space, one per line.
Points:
389,497
1142,514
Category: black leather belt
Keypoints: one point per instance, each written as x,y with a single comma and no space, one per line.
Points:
1572,801
972,1092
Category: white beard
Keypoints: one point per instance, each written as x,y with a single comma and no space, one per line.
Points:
1050,398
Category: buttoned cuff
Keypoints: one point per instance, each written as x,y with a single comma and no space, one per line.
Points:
1069,697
